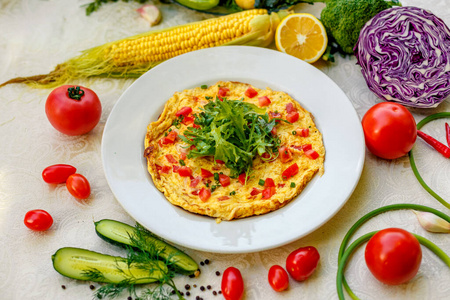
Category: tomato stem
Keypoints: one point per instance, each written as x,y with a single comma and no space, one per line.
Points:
75,93
342,250
413,163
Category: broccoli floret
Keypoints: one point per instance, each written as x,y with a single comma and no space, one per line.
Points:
344,19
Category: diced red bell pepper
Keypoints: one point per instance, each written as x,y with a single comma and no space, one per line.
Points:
311,154
171,159
250,92
269,192
292,117
185,171
242,178
269,183
206,173
204,194
291,171
224,180
184,111
264,101
285,154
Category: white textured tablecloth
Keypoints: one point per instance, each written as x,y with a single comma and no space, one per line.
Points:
36,35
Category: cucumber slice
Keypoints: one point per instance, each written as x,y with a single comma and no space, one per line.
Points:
121,234
84,264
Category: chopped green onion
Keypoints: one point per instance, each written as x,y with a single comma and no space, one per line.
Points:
261,182
216,176
292,184
204,86
182,162
294,132
233,193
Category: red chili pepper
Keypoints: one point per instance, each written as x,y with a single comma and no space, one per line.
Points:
447,133
441,148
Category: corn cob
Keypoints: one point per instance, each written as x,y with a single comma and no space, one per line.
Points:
133,56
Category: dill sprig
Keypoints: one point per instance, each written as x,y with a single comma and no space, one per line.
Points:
146,260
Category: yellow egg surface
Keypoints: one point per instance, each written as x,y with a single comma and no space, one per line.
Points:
205,186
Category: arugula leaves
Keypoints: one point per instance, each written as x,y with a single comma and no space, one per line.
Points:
232,131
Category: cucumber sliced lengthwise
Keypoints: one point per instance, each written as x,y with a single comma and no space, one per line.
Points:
83,264
122,234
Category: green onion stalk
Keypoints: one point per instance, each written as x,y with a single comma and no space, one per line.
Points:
413,163
344,252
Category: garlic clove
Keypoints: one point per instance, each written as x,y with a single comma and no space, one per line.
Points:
151,13
432,223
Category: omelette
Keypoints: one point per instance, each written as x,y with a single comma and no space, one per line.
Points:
232,150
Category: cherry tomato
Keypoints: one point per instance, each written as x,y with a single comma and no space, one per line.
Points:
184,111
393,256
232,284
389,130
73,110
78,186
302,262
292,116
184,171
58,173
250,92
206,173
38,220
285,154
170,138
278,278
242,177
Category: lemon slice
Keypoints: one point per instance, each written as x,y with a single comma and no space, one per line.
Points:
301,35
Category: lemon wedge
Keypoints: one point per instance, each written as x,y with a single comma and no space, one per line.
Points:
301,35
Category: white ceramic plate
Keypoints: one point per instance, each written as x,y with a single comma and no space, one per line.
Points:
143,101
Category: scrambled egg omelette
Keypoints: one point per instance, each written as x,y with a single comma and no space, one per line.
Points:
198,167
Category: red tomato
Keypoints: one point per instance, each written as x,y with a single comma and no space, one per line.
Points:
224,180
302,262
204,194
170,138
171,159
255,192
269,182
58,173
73,110
304,132
38,220
195,181
232,284
250,92
291,171
223,91
264,101
306,147
184,111
312,154
268,192
188,120
393,256
389,130
278,278
242,178
184,171
290,108
78,186
285,154
292,117
206,173
273,115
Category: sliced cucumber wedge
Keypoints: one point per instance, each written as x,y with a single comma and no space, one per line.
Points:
84,264
124,235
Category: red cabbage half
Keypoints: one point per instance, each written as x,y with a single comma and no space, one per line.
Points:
404,53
